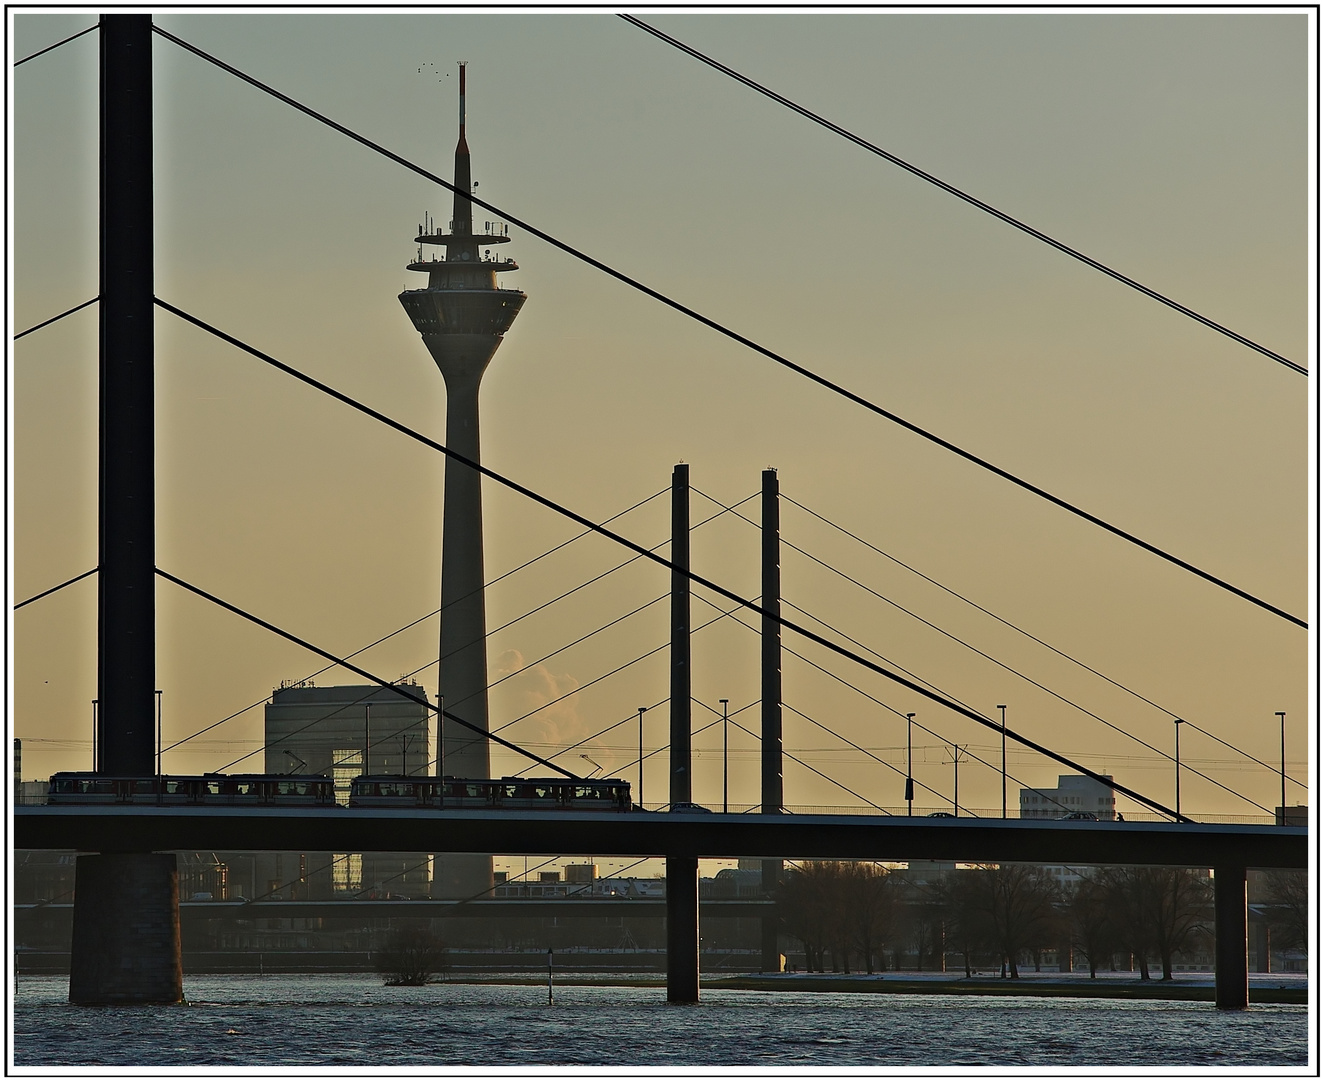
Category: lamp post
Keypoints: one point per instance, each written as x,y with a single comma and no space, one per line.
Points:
95,767
158,732
440,736
1004,803
641,709
1282,716
1178,722
908,777
725,755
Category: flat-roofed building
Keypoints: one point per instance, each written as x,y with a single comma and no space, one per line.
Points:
1073,794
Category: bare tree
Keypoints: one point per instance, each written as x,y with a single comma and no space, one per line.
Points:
413,956
1157,909
869,909
1092,931
1020,902
967,924
1287,916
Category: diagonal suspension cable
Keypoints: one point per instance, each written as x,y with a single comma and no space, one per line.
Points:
361,671
56,588
423,618
48,48
800,761
610,534
54,318
961,641
952,190
1031,637
721,329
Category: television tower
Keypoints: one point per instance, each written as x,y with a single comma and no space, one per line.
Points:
462,315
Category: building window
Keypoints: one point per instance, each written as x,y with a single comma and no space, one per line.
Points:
348,873
346,766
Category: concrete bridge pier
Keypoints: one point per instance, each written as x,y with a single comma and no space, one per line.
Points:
126,948
1230,885
681,929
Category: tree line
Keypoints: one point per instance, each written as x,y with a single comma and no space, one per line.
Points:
862,917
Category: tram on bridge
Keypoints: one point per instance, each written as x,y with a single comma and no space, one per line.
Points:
366,792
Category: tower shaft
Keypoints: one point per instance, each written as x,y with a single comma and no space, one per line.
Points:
462,316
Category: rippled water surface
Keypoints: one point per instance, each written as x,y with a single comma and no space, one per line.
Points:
352,1021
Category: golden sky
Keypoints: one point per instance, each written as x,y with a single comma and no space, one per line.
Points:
1173,147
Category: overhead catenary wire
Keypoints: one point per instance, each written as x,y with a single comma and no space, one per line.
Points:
564,511
54,318
959,194
1032,637
727,332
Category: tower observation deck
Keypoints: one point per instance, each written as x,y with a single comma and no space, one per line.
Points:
462,315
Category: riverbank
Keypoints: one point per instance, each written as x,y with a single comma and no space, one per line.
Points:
1263,989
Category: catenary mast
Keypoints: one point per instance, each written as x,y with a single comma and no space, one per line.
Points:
462,315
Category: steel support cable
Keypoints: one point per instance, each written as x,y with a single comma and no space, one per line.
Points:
788,754
998,663
1032,637
344,663
423,618
613,671
55,588
995,726
986,656
905,716
731,334
800,761
49,48
650,753
874,757
577,641
599,734
550,504
576,588
54,319
888,765
1161,753
1009,775
934,735
965,196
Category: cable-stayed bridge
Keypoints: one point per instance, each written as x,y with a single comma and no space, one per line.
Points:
127,571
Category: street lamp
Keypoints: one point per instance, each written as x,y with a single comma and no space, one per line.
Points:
1004,803
1282,716
641,709
158,731
725,755
1178,722
367,737
908,778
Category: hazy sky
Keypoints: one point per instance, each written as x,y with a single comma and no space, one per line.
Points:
1171,146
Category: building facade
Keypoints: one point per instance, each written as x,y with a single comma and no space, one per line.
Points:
1073,794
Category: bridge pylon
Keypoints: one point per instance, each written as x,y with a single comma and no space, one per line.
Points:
126,946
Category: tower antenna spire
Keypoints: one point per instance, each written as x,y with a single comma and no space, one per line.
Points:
463,72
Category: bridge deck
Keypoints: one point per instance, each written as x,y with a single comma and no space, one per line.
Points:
181,828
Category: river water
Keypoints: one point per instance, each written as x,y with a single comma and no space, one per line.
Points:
354,1023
